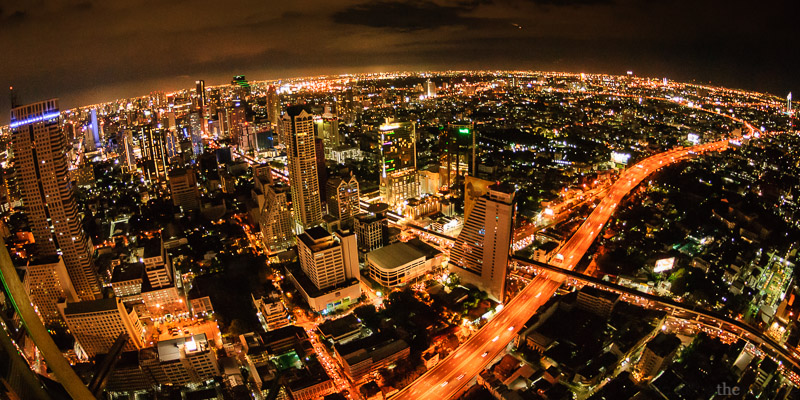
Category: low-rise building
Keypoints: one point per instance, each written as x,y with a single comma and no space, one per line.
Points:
402,262
361,357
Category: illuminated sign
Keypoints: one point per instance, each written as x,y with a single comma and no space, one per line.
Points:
463,130
664,264
620,158
693,138
31,120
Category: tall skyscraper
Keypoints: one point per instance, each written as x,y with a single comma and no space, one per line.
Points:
430,88
196,124
398,146
200,91
298,127
343,198
92,138
480,253
276,218
154,153
789,103
273,107
40,159
327,126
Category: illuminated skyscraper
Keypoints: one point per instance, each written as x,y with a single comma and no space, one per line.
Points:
480,253
154,153
789,103
398,145
97,324
298,127
273,107
196,124
200,90
40,159
343,198
276,218
327,127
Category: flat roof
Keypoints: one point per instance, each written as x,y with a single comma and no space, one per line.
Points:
400,253
169,350
91,306
127,272
152,247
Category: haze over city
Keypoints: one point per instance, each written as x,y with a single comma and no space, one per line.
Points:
382,199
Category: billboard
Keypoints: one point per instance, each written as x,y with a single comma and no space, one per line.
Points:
664,264
620,158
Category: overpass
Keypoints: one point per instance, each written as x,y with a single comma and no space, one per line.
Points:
726,323
446,379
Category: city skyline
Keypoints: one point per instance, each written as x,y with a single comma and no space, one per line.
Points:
175,46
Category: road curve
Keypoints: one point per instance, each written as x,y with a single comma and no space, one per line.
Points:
446,379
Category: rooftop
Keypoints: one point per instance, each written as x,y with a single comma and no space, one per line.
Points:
91,306
394,255
127,272
170,350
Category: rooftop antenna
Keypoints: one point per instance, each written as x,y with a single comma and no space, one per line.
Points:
13,95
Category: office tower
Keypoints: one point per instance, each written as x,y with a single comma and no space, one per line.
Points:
276,218
343,198
457,146
47,281
327,260
273,107
372,227
157,264
241,87
129,158
92,138
480,253
322,170
96,324
224,119
200,91
238,122
195,123
154,153
171,124
398,147
789,103
183,188
298,128
430,88
40,160
327,127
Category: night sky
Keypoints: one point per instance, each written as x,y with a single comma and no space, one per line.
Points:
92,51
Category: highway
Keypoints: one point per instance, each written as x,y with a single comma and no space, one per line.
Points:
447,379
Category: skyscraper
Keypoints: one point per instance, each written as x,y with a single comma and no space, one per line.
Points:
97,324
40,159
298,127
343,198
398,146
276,218
183,188
273,107
789,103
329,269
480,253
154,153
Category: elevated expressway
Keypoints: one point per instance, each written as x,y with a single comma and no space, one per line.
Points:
447,378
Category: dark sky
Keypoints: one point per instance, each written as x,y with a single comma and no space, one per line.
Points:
88,51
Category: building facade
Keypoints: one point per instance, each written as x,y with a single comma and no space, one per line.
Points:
40,158
481,251
298,128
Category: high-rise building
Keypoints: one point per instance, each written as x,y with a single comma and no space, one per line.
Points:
47,282
789,103
276,218
398,153
196,125
329,273
96,324
200,91
480,253
372,227
40,160
157,264
129,158
323,258
298,127
273,107
458,151
327,126
343,198
154,153
92,138
430,88
183,188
